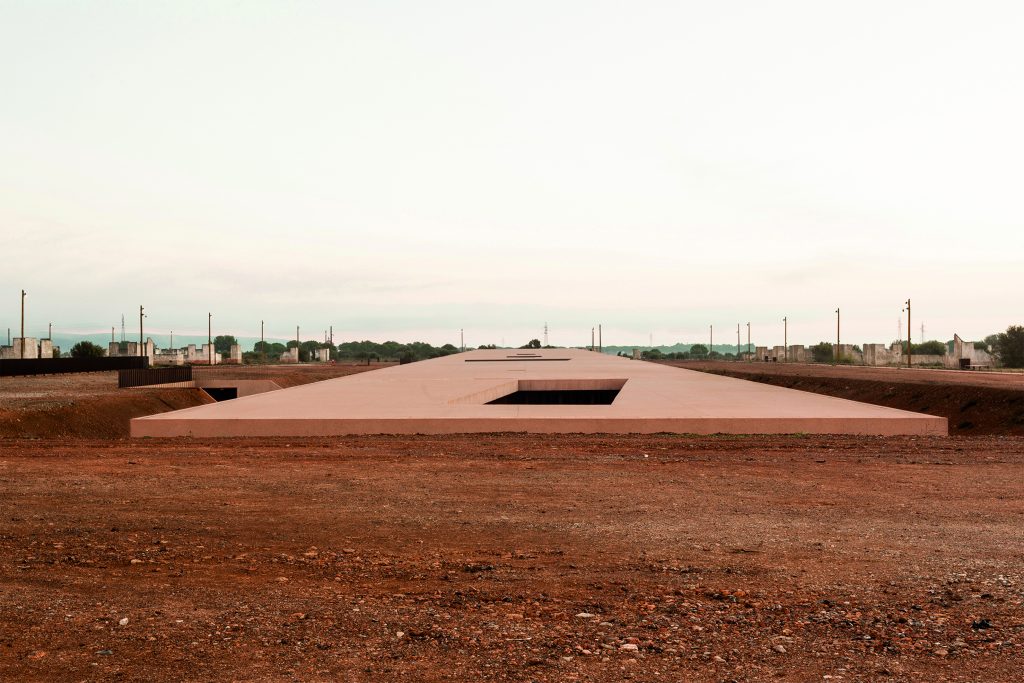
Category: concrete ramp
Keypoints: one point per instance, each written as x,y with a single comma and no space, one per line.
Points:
544,391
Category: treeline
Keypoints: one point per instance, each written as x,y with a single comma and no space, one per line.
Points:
354,350
696,352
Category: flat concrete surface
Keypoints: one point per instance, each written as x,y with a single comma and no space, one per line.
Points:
450,395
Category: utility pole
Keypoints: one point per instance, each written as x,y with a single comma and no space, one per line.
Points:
263,346
140,332
172,340
738,351
835,356
592,347
209,338
785,340
462,339
600,342
711,341
298,344
749,356
899,338
332,335
49,331
21,352
545,335
111,334
910,358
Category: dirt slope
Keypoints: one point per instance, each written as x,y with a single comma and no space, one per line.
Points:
972,402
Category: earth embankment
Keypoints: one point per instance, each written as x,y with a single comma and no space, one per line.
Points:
972,402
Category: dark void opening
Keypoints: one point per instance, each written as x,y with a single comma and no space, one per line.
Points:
559,397
222,393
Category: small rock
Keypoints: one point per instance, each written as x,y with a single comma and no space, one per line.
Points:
941,652
123,622
585,615
629,647
105,653
399,634
781,649
981,624
282,579
136,560
720,659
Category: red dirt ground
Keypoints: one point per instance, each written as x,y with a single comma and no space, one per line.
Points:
972,402
505,557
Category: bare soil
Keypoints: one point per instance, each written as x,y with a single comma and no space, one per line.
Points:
972,402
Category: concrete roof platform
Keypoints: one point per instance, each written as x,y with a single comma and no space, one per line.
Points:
454,394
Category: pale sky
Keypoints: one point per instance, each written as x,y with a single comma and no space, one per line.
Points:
401,170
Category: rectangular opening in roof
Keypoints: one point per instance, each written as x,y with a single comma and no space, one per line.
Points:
508,360
578,392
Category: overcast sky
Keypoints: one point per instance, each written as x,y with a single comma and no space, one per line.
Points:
401,170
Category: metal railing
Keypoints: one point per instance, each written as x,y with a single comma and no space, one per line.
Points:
143,377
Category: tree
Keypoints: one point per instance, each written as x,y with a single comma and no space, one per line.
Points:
932,347
222,343
1009,347
308,349
86,349
532,344
269,348
698,351
822,352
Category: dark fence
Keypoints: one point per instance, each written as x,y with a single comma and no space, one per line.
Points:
147,376
12,367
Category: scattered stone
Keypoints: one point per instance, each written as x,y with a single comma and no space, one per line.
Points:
399,634
105,653
629,647
981,624
720,659
123,622
781,649
585,615
941,652
136,560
